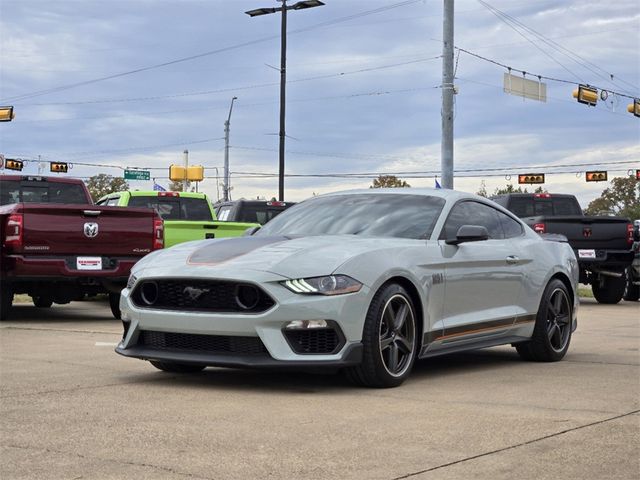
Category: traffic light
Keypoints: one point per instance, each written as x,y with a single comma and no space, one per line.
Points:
6,114
194,173
11,164
177,173
596,176
634,107
637,174
586,94
59,167
531,178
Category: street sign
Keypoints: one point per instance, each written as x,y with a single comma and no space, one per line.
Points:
137,175
525,88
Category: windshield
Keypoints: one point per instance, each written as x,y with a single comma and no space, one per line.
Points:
380,215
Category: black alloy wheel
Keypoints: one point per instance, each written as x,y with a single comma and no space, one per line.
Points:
389,340
552,331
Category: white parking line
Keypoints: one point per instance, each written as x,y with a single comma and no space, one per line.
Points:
106,344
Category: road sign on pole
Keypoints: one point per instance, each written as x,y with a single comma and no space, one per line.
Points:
137,175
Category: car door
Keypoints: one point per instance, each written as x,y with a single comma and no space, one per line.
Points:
483,279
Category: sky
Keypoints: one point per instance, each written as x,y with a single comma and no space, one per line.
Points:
104,87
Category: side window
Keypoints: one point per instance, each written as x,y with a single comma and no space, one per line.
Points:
113,202
472,213
510,227
223,213
102,202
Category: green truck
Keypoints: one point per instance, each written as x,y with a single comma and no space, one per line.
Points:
186,215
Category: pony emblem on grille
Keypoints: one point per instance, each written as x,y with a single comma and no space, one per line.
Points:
194,294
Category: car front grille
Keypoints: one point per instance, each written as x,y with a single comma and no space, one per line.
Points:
201,296
314,341
214,344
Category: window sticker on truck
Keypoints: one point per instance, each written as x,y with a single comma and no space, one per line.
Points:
89,263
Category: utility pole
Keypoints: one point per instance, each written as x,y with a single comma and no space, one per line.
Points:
185,182
225,187
446,162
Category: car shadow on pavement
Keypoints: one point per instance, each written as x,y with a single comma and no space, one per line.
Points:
78,312
296,381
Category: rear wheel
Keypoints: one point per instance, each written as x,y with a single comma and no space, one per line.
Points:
6,300
177,367
42,301
389,340
114,304
552,332
631,292
609,290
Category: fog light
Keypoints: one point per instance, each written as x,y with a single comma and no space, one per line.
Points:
305,324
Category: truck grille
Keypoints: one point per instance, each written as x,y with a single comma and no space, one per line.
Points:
214,344
201,296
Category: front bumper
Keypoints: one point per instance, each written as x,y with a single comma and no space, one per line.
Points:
345,313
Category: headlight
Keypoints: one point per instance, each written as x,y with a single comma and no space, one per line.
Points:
132,281
329,285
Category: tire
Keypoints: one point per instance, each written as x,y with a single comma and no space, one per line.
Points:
42,301
631,292
177,367
611,291
389,339
114,304
6,301
552,332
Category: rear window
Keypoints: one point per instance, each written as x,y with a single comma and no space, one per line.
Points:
175,208
259,214
17,191
534,207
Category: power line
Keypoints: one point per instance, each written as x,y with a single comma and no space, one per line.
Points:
205,54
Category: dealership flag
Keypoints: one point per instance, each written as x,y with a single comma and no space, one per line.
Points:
158,188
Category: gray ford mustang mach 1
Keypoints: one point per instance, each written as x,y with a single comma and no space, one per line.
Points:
367,281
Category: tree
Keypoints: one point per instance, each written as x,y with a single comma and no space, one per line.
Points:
509,188
176,186
389,181
103,184
621,198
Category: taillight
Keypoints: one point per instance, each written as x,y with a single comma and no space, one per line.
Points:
542,195
14,231
630,233
539,228
168,194
158,234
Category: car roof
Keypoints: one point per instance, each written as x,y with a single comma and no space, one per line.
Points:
452,195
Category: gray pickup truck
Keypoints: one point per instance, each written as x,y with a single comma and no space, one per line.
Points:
603,245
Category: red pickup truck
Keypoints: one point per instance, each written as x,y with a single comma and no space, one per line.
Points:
58,246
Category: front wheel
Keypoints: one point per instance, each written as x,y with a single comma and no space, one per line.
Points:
389,340
177,367
552,332
42,301
609,290
114,304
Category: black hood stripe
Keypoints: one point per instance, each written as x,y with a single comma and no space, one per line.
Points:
228,249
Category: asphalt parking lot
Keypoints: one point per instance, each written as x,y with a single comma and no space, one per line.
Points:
73,409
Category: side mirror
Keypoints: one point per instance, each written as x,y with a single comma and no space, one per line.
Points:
469,233
250,231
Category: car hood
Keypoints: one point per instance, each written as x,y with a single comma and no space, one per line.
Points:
288,257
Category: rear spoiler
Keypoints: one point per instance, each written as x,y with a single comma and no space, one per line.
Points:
554,237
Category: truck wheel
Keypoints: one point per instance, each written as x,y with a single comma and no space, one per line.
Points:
42,301
611,291
114,303
632,292
6,300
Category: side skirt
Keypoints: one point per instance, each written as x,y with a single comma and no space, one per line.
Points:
480,343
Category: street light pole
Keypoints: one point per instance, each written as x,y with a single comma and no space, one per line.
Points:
283,73
225,187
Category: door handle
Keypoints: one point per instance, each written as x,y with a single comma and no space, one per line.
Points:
512,260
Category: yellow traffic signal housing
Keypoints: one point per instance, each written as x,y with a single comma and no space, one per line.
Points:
11,164
6,114
531,178
634,108
637,174
587,95
59,167
195,173
177,173
596,176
